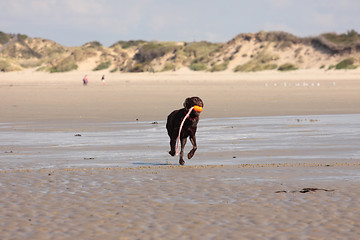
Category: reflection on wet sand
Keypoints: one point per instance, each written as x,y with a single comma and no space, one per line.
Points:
229,141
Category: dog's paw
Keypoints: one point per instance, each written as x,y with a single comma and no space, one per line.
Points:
191,154
172,153
181,162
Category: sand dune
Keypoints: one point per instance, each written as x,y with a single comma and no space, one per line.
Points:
246,52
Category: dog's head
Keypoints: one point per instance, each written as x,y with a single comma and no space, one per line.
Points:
193,101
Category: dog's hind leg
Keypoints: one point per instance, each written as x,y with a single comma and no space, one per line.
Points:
192,151
181,159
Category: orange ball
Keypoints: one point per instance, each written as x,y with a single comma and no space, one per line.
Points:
198,108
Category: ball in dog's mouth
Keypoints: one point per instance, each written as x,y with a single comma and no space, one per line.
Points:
198,108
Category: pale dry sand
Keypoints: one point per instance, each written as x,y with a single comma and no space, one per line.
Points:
33,96
258,201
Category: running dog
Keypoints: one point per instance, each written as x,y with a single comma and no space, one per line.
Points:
189,127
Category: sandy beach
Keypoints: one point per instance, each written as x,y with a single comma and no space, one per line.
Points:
278,156
237,202
36,96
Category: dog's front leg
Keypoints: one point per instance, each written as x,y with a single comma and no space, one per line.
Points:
181,159
193,141
172,146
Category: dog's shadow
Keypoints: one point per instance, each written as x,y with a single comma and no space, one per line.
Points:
153,164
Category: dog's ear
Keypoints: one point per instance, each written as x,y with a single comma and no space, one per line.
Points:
186,103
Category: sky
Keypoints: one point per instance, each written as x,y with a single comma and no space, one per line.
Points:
76,22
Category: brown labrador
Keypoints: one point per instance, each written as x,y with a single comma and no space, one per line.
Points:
189,128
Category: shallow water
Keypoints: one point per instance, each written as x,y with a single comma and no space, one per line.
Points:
228,141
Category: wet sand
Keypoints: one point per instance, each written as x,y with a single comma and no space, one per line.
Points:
221,141
173,202
252,182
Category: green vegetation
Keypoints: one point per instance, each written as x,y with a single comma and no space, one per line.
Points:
198,66
346,64
250,67
129,44
102,66
331,67
4,66
65,65
46,49
139,67
263,61
168,67
278,36
348,43
22,37
81,54
284,45
201,51
343,39
18,51
287,67
201,54
93,44
30,63
220,67
150,51
70,63
153,50
4,38
8,65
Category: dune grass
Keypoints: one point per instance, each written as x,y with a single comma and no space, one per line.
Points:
346,64
65,65
198,66
220,66
168,67
263,61
287,67
343,39
102,66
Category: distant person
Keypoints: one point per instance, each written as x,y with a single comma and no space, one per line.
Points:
103,80
85,80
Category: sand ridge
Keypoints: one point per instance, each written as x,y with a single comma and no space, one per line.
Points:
176,166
